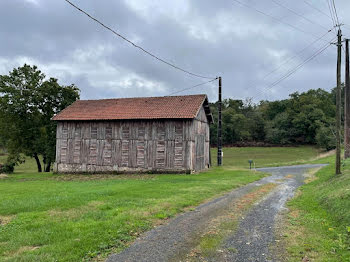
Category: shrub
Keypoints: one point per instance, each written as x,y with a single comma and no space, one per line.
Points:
325,138
7,168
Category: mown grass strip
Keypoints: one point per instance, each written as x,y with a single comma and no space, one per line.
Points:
318,225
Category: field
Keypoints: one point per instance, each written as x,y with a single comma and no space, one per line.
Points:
46,217
267,156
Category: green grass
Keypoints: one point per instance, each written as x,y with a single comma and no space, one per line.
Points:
46,217
319,218
266,156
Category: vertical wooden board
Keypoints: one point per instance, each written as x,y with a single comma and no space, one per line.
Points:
141,133
107,152
64,132
147,130
207,133
100,146
116,130
93,152
58,150
76,147
188,155
178,154
153,155
101,130
114,152
140,153
125,132
160,155
132,153
170,154
59,130
94,131
135,126
146,151
125,153
117,152
154,130
150,154
71,133
108,132
70,151
64,151
85,151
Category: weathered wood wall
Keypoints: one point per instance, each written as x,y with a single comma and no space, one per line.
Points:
202,141
139,145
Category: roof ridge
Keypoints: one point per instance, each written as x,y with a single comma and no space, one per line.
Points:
141,97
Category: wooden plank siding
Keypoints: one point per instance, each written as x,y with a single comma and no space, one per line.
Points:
133,145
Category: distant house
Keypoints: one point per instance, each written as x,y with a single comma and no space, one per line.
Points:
159,134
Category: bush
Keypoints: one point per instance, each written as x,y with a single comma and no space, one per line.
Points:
7,168
325,138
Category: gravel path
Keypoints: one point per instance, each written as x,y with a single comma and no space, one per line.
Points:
251,240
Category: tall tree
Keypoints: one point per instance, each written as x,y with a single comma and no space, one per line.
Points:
27,103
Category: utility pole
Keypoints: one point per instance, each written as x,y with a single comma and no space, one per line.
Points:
347,103
220,125
338,104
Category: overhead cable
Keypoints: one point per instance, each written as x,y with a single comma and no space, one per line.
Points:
137,46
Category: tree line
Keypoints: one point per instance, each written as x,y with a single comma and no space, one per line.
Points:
303,118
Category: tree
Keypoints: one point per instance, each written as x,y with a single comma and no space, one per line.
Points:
27,103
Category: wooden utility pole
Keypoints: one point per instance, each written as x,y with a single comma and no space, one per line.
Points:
347,103
338,104
220,126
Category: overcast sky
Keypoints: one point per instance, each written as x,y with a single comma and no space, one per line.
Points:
207,37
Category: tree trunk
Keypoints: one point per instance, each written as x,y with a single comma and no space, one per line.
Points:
38,162
48,167
44,161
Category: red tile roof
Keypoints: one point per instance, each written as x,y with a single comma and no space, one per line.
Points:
168,107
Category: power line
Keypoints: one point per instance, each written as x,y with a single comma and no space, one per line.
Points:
317,9
335,11
296,13
137,46
331,12
185,89
275,18
294,70
292,57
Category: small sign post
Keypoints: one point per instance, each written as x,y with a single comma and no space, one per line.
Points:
250,163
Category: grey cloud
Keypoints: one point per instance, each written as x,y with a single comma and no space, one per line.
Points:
206,37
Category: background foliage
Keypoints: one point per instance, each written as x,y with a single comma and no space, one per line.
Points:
303,118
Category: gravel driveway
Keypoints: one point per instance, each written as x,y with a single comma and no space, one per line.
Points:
252,239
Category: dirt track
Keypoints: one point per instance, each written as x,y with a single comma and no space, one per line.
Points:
250,240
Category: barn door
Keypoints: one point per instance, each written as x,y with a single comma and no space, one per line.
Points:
200,142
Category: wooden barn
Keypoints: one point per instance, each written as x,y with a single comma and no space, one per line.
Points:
156,134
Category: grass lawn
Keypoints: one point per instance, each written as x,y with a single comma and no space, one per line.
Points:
318,226
266,156
46,217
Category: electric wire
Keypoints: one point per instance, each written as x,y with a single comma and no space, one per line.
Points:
296,13
291,58
317,9
137,46
335,12
294,70
185,89
275,18
296,55
331,12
